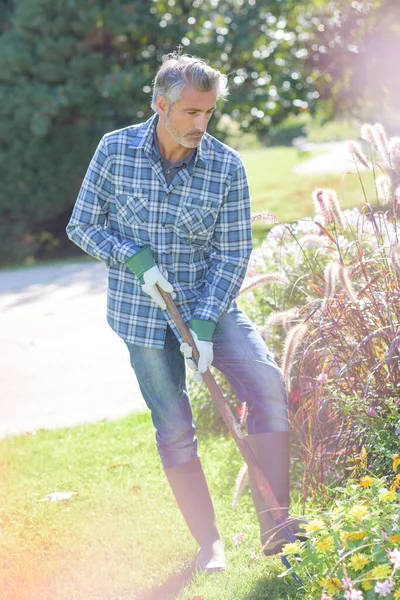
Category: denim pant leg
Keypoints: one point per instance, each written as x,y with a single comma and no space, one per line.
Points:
161,377
241,355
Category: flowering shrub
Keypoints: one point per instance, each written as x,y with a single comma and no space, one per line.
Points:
352,551
336,324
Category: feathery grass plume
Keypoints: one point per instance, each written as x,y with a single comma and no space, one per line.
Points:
293,339
334,207
254,282
343,276
383,187
367,134
240,484
308,241
395,258
382,141
331,275
396,200
264,216
394,151
322,212
358,154
283,317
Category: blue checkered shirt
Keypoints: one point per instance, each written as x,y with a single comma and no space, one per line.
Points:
198,228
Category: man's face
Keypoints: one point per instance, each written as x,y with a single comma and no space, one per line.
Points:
186,120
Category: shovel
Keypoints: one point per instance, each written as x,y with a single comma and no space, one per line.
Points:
239,437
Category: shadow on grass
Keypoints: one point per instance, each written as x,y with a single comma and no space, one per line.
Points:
277,588
171,588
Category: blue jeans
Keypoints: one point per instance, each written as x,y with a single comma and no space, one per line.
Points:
240,354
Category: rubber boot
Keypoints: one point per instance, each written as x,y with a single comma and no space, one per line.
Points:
272,453
193,497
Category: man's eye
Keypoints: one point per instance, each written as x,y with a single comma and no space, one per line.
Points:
191,112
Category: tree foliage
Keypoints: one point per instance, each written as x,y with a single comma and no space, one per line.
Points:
353,54
72,70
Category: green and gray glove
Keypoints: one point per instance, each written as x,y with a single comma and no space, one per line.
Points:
143,265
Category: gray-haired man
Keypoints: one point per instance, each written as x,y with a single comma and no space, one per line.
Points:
165,204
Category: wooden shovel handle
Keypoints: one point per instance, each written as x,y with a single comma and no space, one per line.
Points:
230,421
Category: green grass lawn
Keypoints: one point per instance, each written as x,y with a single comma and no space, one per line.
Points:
122,537
275,188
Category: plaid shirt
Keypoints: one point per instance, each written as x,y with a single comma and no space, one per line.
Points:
198,228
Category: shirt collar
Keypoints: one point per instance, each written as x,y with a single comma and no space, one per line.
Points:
185,161
145,136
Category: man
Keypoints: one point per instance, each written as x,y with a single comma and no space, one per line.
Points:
165,204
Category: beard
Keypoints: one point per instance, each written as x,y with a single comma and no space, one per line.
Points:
184,139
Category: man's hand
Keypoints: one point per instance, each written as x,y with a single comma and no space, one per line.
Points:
187,352
206,353
153,278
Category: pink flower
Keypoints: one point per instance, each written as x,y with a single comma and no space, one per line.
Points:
347,583
238,537
371,412
383,588
326,597
322,378
398,401
353,595
394,557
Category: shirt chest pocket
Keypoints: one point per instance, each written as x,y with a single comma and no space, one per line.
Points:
196,220
132,207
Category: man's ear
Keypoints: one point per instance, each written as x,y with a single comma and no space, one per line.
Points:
162,105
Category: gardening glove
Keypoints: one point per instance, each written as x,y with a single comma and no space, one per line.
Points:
143,265
202,332
206,353
187,352
153,278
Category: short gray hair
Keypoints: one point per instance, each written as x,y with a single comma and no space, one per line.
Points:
179,71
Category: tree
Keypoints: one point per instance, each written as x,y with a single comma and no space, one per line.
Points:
353,57
72,70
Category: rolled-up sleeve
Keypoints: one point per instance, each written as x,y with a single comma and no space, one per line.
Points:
232,245
88,226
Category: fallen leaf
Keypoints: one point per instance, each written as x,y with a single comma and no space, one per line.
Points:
57,496
119,465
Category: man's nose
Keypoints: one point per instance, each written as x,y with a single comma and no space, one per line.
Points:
201,123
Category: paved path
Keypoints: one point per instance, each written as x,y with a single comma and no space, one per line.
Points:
61,364
335,157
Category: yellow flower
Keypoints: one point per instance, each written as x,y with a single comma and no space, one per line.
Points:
359,512
357,535
366,585
395,484
358,561
386,495
381,572
291,548
396,595
315,525
395,538
367,481
325,544
331,584
396,461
